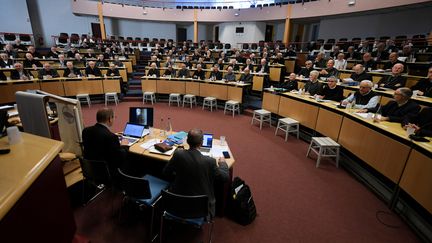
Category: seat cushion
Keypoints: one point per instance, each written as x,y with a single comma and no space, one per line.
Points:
193,221
156,186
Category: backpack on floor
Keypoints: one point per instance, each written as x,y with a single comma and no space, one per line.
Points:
242,206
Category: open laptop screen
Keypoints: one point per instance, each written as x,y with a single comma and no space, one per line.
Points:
141,115
133,130
207,140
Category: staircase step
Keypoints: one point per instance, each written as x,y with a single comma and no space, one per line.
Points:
134,92
134,82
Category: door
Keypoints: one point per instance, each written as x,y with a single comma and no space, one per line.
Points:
216,33
96,30
181,34
269,33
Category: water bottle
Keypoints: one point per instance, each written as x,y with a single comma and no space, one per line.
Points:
162,131
353,104
348,107
169,126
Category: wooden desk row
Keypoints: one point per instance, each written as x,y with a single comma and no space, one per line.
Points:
384,146
59,86
257,80
60,71
218,89
386,95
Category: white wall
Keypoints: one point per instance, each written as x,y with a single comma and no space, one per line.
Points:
279,29
401,22
202,31
253,32
137,28
14,17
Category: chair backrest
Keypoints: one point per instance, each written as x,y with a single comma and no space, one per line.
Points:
96,171
25,37
9,36
227,46
185,206
134,187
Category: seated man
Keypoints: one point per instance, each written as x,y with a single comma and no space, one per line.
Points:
331,91
290,83
153,71
112,70
90,54
18,46
170,72
329,70
92,70
183,72
380,54
194,173
215,74
234,65
398,109
5,62
312,86
248,65
422,122
9,50
101,61
307,69
188,63
19,73
199,73
71,71
352,54
72,52
230,76
424,85
101,144
279,59
117,61
320,61
393,59
47,72
246,77
364,98
53,53
79,61
395,80
35,54
340,62
262,67
368,62
62,61
360,73
30,62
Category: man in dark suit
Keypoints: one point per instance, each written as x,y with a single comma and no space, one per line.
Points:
246,77
101,144
30,62
93,70
360,74
399,109
194,173
71,71
368,62
19,73
215,74
47,72
422,122
395,80
199,73
263,67
183,72
424,85
5,62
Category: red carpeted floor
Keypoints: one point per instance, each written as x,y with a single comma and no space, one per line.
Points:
296,202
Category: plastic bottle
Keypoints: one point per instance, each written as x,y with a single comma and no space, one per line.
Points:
169,126
162,131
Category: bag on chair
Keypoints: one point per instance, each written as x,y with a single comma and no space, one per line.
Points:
242,206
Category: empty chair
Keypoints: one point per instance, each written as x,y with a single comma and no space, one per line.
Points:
84,98
384,38
144,191
210,102
233,106
174,97
288,125
120,38
261,116
189,99
111,96
324,147
356,42
227,46
400,40
245,46
149,95
219,46
189,210
9,37
74,39
419,41
254,46
25,38
62,39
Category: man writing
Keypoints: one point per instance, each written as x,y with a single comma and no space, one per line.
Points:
194,173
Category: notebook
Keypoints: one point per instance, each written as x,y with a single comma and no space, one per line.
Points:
133,132
207,143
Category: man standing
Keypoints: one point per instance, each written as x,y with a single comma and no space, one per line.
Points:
101,144
194,173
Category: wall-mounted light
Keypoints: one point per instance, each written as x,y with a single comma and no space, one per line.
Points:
236,14
351,2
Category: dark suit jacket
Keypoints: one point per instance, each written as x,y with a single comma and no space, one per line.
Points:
29,64
194,174
44,72
3,64
183,72
152,72
362,76
397,113
114,72
216,75
75,71
423,120
392,82
259,67
95,71
199,74
16,76
246,78
101,144
424,85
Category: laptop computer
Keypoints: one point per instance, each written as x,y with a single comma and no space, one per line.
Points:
207,143
133,132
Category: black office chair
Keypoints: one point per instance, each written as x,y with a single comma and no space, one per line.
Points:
143,191
189,210
96,173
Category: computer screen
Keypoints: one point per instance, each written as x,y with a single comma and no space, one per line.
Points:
133,130
207,140
141,115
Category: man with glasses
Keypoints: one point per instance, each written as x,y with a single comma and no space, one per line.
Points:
398,109
364,98
305,72
331,91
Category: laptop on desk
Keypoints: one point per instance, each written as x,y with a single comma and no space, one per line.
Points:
207,144
134,132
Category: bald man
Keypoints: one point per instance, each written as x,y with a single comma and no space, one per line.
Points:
395,80
194,173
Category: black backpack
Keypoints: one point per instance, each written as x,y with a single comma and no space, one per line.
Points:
242,206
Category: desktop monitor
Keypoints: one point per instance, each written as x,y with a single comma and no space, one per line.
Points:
141,115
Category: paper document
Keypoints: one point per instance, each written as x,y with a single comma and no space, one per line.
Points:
148,144
362,115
